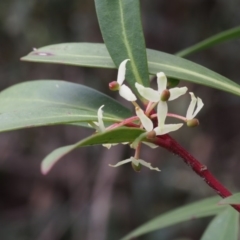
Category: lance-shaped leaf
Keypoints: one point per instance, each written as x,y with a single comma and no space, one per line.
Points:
96,55
225,226
114,136
120,24
233,199
230,34
203,208
48,102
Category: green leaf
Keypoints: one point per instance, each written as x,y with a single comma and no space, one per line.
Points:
224,226
77,54
120,24
203,208
212,41
233,199
48,102
96,55
114,136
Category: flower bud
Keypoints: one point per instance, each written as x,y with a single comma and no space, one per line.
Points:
193,122
172,82
136,168
151,135
114,86
165,95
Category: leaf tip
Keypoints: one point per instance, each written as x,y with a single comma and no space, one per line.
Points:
44,168
47,165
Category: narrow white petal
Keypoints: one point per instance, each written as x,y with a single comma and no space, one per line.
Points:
162,109
177,92
148,165
94,125
167,128
127,93
121,162
122,71
100,121
146,122
191,106
107,145
148,93
151,145
199,106
161,81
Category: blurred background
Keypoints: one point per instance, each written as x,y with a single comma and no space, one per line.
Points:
83,198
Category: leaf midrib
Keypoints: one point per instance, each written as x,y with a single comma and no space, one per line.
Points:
109,119
212,80
59,104
127,45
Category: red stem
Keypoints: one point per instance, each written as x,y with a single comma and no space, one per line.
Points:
170,144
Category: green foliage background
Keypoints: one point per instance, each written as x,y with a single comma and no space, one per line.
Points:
82,196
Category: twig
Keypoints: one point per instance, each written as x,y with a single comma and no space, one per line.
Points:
170,144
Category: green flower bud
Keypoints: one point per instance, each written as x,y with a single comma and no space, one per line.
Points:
165,95
136,168
114,86
193,122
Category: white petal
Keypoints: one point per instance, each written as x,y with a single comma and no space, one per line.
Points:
122,71
94,125
167,128
162,109
127,93
100,121
107,145
148,93
151,145
146,122
162,82
177,92
199,106
148,165
121,162
191,107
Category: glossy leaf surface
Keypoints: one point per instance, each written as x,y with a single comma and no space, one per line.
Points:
120,24
96,55
233,199
203,208
113,136
48,102
224,226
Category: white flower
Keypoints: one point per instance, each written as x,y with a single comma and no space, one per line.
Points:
146,122
190,112
136,162
162,128
124,90
99,125
155,95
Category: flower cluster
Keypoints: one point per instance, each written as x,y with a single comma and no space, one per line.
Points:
156,98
